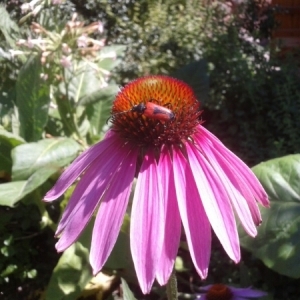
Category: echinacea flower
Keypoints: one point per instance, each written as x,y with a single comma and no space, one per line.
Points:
225,292
184,175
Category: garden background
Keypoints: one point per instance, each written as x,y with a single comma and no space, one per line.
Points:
62,63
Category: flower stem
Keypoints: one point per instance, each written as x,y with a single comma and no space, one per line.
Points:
172,292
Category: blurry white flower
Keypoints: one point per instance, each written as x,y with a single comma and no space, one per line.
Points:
66,62
82,41
100,27
66,49
44,76
25,7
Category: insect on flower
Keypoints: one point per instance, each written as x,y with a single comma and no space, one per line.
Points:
152,111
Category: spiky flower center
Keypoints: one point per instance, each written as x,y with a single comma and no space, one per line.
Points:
156,110
219,292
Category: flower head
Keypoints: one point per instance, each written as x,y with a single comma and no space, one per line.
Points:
184,175
225,292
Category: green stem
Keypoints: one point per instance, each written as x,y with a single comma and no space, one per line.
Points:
68,113
172,292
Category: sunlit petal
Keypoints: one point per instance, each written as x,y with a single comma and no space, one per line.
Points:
215,202
147,223
111,213
193,216
89,202
172,228
79,165
109,160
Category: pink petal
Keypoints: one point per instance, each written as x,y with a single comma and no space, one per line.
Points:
241,169
193,216
239,202
172,218
215,201
147,223
79,165
240,185
236,177
103,167
111,212
97,185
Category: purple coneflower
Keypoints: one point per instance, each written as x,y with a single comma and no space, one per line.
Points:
184,175
225,292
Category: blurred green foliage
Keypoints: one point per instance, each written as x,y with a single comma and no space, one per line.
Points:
160,36
254,100
55,97
254,94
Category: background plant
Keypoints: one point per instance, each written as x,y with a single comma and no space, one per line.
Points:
56,83
232,65
254,97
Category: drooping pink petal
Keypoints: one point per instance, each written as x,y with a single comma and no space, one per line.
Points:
215,201
79,165
147,223
111,212
193,216
90,198
102,169
238,180
239,183
172,228
241,169
237,199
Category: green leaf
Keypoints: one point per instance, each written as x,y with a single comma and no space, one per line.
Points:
195,74
99,112
103,94
7,142
72,271
80,84
5,159
9,270
127,293
70,275
120,257
118,49
48,153
8,27
111,56
278,240
10,138
6,102
12,192
32,99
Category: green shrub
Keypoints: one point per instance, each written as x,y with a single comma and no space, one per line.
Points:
254,101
